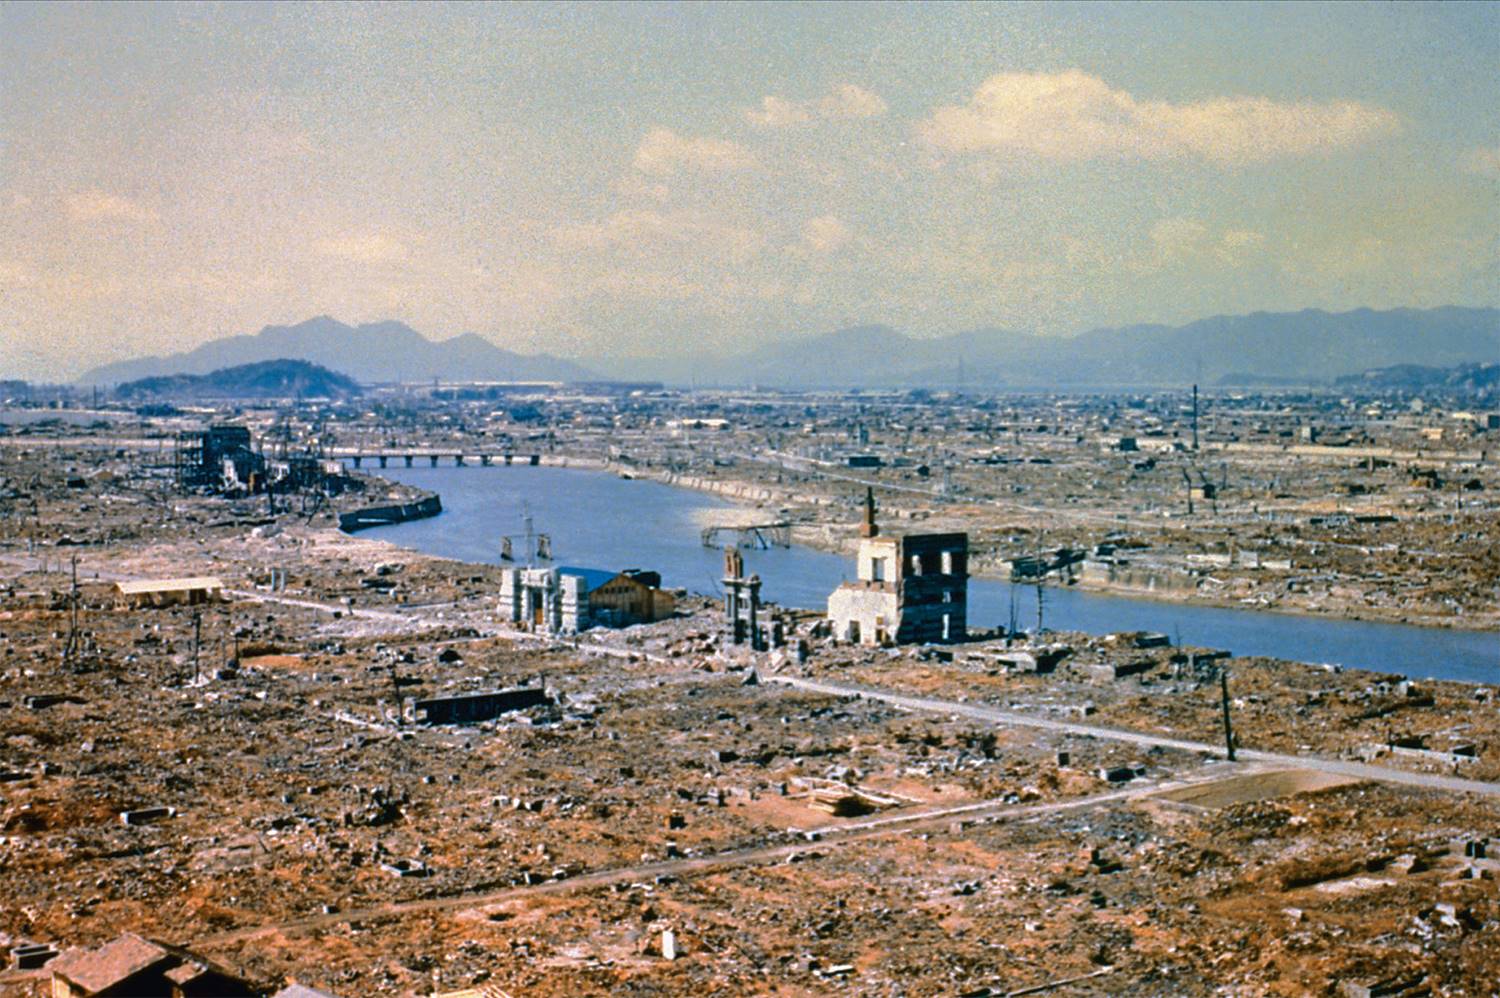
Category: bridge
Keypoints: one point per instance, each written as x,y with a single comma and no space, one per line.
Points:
761,536
413,458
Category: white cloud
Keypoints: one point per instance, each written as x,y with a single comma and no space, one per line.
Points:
1238,245
663,151
825,234
844,102
777,112
97,206
364,247
1075,116
651,232
1484,162
1187,240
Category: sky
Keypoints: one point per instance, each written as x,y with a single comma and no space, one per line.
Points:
622,180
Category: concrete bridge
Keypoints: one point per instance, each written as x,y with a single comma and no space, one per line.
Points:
414,458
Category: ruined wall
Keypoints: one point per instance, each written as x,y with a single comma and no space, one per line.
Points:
870,607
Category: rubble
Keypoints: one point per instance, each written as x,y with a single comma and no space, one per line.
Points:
388,789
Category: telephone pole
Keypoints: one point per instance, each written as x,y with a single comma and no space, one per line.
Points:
197,641
1224,701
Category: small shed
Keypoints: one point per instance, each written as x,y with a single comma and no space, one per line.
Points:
171,592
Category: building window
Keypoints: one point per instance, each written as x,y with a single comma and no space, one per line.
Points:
947,595
877,569
947,562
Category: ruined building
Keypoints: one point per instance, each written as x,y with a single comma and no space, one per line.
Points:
568,600
209,458
909,589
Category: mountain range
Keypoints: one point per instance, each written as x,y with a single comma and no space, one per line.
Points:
1307,347
370,353
1264,348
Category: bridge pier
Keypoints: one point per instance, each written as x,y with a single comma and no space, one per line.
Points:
509,458
408,460
458,460
382,460
484,459
433,458
358,460
536,459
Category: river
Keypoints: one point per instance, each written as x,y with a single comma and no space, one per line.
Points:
598,520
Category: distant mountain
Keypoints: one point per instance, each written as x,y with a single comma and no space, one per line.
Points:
375,352
266,379
1306,347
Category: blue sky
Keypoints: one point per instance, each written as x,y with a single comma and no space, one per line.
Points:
642,179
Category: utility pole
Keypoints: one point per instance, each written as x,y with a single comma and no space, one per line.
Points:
71,648
197,640
1224,702
396,694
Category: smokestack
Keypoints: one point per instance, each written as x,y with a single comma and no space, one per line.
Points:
868,528
1195,418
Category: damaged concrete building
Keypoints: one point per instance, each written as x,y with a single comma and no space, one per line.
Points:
565,600
910,589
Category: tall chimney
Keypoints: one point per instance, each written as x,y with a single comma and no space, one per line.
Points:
868,528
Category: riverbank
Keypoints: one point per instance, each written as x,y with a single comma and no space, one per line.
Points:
843,540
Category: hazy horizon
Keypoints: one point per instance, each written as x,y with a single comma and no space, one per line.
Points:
637,180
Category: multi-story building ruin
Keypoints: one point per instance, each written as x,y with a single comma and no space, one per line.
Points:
909,589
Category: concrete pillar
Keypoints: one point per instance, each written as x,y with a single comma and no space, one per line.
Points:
458,460
732,608
484,459
433,458
408,460
754,585
382,460
357,460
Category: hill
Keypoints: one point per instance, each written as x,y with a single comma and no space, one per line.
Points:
374,352
1465,379
266,379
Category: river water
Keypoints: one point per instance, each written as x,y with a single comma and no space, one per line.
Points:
599,520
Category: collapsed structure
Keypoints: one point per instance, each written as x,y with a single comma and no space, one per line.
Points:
563,600
911,588
223,458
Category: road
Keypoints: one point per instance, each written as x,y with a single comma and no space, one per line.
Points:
1360,770
828,837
